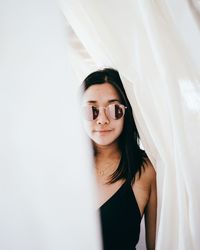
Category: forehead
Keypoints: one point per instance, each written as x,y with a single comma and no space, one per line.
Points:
101,93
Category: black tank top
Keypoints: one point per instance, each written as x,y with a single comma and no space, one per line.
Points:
120,220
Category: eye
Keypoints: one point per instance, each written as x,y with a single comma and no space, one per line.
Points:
90,112
118,112
95,112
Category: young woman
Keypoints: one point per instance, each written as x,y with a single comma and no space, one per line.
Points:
126,180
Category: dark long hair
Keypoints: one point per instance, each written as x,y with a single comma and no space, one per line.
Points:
133,158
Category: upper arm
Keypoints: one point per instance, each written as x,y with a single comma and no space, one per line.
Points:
151,211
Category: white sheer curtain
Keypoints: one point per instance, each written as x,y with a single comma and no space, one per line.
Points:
155,47
46,200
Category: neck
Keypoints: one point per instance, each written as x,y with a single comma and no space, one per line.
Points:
107,152
106,160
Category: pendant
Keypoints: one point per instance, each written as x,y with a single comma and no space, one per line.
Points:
101,172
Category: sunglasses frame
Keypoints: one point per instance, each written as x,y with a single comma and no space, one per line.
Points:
106,110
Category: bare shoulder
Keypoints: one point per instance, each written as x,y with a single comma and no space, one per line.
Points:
144,186
148,173
151,205
149,170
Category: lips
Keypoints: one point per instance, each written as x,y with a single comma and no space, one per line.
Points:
102,132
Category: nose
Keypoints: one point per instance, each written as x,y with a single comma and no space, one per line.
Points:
102,117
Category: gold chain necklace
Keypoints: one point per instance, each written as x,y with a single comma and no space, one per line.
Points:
101,172
105,171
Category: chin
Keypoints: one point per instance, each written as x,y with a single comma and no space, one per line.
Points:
104,142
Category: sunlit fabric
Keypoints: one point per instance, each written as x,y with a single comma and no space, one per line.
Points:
46,189
155,47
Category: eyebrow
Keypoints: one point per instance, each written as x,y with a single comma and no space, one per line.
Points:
109,101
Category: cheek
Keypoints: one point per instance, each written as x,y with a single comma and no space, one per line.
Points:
119,126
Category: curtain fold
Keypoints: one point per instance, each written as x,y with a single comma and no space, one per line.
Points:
46,199
154,45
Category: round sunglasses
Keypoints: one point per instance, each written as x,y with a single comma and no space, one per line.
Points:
115,111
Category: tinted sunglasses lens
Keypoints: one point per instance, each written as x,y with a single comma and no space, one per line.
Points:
90,113
116,111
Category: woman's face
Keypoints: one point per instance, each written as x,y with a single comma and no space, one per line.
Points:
104,130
